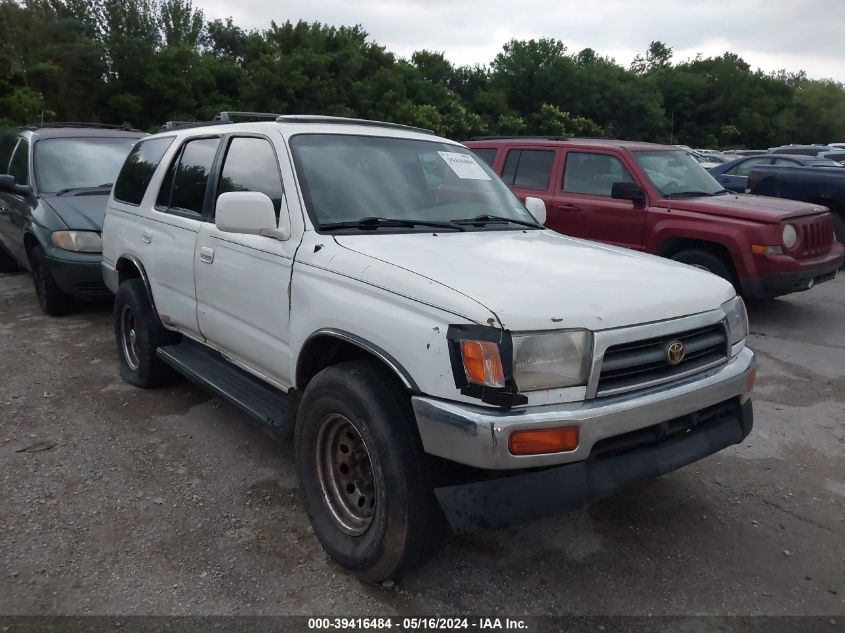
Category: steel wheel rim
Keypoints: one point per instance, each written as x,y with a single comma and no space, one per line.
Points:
129,338
345,471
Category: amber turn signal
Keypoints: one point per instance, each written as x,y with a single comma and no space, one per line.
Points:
544,441
482,363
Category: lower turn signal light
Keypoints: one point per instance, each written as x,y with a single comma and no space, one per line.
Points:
557,440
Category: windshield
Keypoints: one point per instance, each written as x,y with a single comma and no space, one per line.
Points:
75,163
674,172
348,178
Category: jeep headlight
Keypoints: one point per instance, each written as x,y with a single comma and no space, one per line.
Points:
552,360
790,236
78,241
736,319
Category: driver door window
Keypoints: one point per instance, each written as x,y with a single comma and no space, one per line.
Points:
593,174
743,169
19,165
251,165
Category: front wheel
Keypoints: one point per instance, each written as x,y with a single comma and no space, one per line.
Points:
363,473
52,299
706,260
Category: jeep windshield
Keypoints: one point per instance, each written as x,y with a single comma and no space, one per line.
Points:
65,164
385,184
676,174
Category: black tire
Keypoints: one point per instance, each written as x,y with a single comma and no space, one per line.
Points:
8,264
138,334
706,260
52,299
406,527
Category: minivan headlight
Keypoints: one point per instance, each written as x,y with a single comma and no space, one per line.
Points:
737,319
552,360
78,241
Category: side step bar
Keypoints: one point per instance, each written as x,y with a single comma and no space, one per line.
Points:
208,369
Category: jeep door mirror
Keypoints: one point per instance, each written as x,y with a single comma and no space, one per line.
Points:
250,212
8,185
537,208
627,190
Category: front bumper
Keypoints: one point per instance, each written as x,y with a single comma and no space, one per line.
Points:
81,277
478,436
803,275
639,457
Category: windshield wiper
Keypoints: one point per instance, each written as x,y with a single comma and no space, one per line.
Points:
489,219
376,223
694,194
61,192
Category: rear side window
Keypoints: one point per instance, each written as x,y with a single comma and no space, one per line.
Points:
185,183
139,168
487,154
251,165
593,174
19,166
528,168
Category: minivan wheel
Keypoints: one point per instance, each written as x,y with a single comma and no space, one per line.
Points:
363,473
52,299
705,260
139,334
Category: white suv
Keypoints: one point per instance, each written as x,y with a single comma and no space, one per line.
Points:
442,359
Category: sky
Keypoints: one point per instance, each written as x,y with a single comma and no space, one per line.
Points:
794,35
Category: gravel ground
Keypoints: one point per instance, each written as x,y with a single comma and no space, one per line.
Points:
167,502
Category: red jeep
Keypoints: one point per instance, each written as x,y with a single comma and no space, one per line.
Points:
658,199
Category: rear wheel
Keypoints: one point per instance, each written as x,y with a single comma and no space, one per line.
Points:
706,260
363,473
139,334
52,299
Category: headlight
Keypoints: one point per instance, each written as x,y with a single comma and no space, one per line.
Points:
552,360
78,241
737,319
790,236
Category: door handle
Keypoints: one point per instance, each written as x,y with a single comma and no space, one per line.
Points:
147,237
206,255
566,207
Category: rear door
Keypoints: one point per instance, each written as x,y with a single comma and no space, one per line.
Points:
242,280
583,206
171,233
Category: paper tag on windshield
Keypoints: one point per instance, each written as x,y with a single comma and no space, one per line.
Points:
464,166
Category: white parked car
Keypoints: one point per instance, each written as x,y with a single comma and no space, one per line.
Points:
442,359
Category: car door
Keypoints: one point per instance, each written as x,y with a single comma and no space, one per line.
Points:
15,210
583,206
736,178
242,280
528,172
171,233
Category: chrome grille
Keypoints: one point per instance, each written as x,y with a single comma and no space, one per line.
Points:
816,235
643,363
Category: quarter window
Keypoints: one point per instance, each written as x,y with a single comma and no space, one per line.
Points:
184,185
593,174
528,168
251,165
139,168
19,167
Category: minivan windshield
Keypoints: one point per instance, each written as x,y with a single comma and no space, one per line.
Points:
66,163
366,183
676,174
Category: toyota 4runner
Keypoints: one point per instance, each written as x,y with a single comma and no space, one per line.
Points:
441,358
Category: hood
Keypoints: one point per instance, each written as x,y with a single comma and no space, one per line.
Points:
541,280
746,207
84,212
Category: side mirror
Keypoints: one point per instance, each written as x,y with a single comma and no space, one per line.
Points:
625,190
8,185
537,208
252,213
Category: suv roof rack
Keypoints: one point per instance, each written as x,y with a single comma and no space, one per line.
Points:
80,124
220,118
540,137
317,118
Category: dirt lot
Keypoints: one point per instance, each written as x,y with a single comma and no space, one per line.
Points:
166,502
